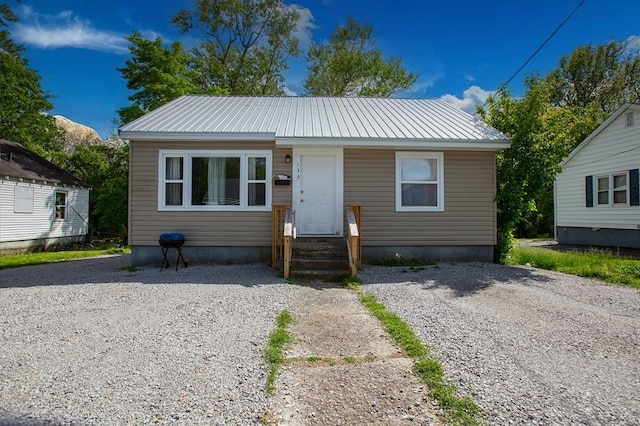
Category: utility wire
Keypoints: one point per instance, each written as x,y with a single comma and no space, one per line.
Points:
539,48
544,43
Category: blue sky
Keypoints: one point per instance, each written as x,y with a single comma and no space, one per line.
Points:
462,50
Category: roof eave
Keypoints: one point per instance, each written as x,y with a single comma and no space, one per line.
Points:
449,144
195,136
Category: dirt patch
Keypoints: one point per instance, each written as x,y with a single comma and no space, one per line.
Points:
342,368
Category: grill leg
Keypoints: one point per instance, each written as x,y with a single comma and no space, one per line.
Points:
165,262
180,256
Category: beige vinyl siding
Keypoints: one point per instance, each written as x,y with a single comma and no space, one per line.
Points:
201,228
41,223
615,150
469,213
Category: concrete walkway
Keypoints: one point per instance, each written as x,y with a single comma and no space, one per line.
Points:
343,369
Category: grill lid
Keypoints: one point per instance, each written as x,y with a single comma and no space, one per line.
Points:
172,236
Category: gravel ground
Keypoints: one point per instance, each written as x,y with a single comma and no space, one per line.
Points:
530,346
84,342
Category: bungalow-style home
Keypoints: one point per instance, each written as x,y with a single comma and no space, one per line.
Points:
41,205
597,195
213,169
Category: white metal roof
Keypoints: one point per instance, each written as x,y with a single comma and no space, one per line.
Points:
316,120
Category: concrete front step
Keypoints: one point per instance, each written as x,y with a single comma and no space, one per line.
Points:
319,258
321,264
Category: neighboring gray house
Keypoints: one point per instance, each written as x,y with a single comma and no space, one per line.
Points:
212,168
597,194
41,205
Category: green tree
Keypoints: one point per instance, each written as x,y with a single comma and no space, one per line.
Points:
604,76
586,87
157,74
246,44
105,167
349,64
23,102
524,169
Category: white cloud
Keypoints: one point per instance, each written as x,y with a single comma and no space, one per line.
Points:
289,92
421,87
633,44
469,78
305,25
471,97
64,30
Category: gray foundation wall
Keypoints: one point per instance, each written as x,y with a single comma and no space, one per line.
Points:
152,255
436,253
40,244
603,237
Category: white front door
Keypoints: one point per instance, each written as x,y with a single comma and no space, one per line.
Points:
318,192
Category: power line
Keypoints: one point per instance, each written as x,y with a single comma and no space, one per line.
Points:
545,42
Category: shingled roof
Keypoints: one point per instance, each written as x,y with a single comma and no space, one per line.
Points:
16,161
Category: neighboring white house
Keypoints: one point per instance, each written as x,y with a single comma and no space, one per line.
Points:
41,205
597,195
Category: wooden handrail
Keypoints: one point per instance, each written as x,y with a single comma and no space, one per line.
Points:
354,240
288,235
277,226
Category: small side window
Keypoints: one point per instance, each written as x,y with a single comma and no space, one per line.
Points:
61,205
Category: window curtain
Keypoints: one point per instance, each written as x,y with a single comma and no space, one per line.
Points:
216,181
173,191
417,170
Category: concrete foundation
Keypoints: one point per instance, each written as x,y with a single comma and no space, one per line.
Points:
152,255
600,237
40,244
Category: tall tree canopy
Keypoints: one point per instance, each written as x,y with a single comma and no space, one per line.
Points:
105,167
349,64
556,113
246,44
604,76
22,99
157,74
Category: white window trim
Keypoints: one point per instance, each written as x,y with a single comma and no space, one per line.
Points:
65,205
439,157
187,155
610,202
23,199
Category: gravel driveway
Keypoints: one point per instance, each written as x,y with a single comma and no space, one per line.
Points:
530,346
86,343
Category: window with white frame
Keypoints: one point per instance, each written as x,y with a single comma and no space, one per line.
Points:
419,181
61,205
612,189
214,180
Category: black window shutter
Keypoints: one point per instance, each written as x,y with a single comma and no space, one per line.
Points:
589,190
634,186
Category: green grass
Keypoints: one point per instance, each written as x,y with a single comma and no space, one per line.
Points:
459,410
26,259
602,265
279,339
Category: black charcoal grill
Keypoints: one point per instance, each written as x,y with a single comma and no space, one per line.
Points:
168,241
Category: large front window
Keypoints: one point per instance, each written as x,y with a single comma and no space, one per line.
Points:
214,180
419,181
